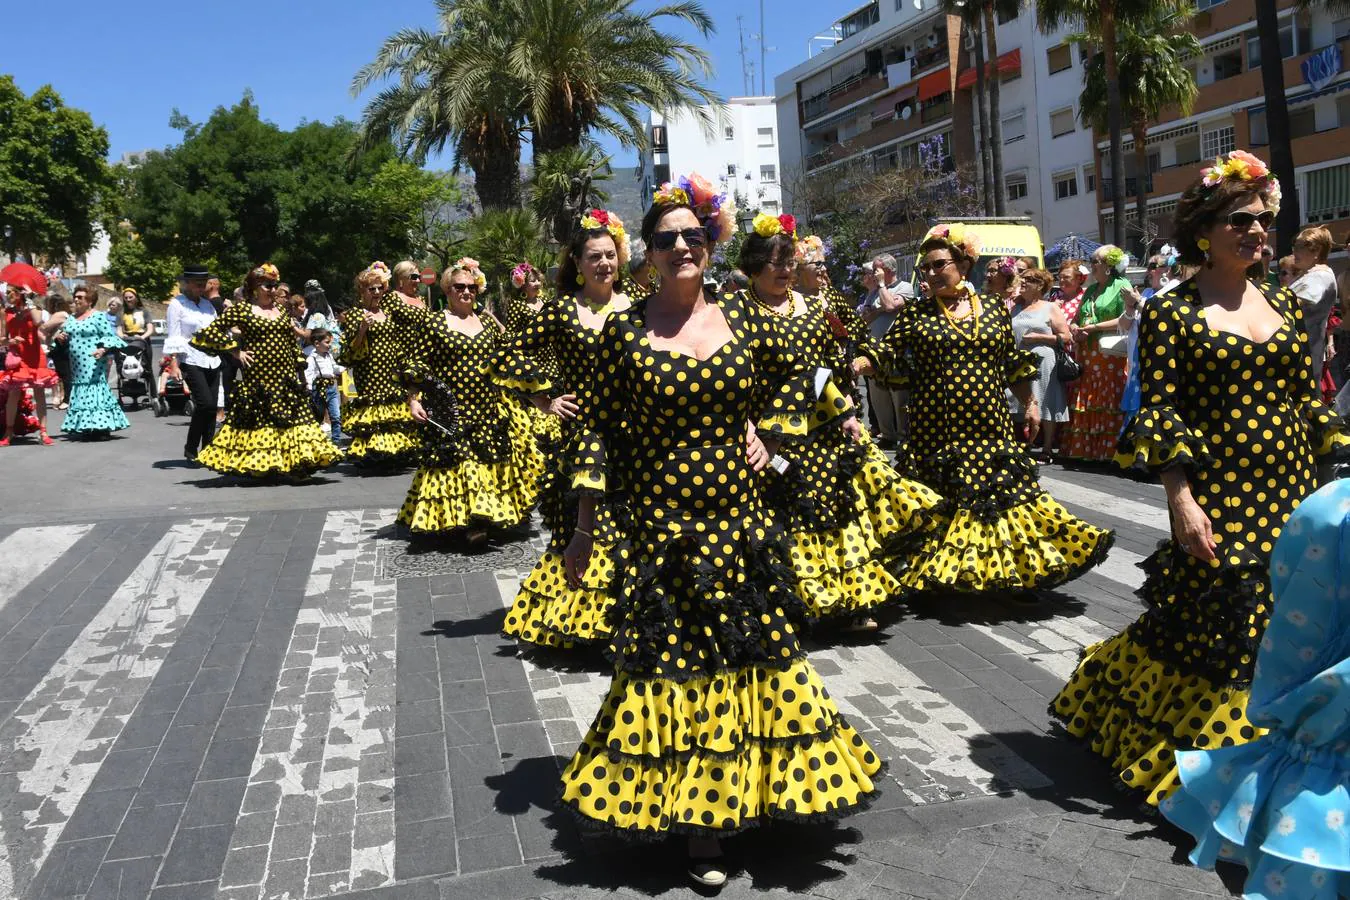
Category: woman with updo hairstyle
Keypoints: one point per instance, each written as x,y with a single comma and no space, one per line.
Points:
849,515
1001,277
407,283
525,298
714,717
383,434
1232,422
998,532
479,466
552,362
1097,417
270,430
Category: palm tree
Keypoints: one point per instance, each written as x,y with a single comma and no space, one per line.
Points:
981,17
1151,50
565,182
501,238
593,65
449,90
1277,117
1101,18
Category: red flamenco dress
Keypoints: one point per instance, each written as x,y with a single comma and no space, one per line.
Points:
25,367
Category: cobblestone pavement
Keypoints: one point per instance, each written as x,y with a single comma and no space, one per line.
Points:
284,702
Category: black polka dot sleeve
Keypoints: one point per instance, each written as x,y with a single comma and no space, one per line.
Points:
1159,437
219,336
1326,430
355,348
893,351
417,349
602,408
518,364
845,317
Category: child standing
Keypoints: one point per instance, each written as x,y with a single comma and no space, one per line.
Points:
321,374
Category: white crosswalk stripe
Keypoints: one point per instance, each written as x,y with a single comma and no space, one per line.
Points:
29,551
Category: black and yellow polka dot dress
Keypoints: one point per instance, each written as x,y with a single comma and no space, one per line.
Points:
997,529
555,355
270,428
853,337
517,316
715,721
849,514
1246,423
382,431
485,471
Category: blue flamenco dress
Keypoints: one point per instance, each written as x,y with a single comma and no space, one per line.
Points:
94,410
1280,805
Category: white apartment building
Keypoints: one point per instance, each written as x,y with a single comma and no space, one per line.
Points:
886,86
739,150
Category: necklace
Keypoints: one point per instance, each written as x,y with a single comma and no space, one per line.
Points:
973,317
785,313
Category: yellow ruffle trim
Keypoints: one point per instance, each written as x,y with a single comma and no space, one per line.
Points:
1032,545
549,613
523,385
896,506
472,492
718,753
1332,441
383,444
1025,371
259,452
787,424
590,478
1136,712
377,416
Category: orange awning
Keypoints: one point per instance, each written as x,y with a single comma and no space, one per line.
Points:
935,84
1008,62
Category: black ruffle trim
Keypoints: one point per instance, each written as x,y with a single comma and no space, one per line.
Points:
690,829
748,743
807,511
1015,482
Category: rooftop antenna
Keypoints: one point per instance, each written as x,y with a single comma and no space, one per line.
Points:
762,67
747,68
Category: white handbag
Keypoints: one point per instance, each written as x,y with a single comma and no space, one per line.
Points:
1114,345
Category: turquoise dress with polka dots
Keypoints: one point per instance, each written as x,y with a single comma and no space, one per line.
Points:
93,408
1279,805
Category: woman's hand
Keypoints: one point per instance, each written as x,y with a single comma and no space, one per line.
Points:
564,406
1031,420
244,357
416,410
756,454
1080,335
770,445
98,352
1191,526
577,556
853,428
862,366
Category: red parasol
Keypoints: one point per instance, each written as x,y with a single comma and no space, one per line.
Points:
25,276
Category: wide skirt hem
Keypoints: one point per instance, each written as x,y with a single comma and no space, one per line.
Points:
263,452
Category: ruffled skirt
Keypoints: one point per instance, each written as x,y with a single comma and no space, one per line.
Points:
382,434
715,721
1176,679
548,612
1277,807
269,430
1096,415
93,409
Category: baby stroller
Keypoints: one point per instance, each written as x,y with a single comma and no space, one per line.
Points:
133,374
171,394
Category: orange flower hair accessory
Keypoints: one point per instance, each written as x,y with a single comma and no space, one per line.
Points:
716,212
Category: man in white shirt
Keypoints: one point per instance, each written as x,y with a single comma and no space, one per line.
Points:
187,314
879,310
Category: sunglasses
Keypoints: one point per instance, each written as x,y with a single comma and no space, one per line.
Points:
1285,273
1242,220
463,287
269,285
935,266
693,238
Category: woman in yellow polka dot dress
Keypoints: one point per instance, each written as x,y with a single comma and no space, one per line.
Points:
1232,420
850,331
847,511
523,305
270,429
480,466
379,333
715,721
552,361
997,530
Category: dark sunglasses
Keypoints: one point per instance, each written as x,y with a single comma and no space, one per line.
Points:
1242,220
269,285
463,287
935,266
693,237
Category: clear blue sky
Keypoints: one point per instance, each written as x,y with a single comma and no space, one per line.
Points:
130,64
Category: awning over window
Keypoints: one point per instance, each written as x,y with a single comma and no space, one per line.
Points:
886,105
935,84
1007,63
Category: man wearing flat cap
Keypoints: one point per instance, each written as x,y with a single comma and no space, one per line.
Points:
188,313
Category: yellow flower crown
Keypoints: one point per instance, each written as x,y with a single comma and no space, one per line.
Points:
267,271
470,265
767,226
603,218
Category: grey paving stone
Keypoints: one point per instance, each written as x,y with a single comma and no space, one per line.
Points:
1033,865
480,854
201,709
297,809
263,797
417,686
286,878
239,722
419,754
419,717
229,759
126,879
293,841
243,866
421,797
509,707
940,676
98,815
214,802
122,769
425,848
470,728
1104,871
374,830
196,854
143,731
253,830
70,869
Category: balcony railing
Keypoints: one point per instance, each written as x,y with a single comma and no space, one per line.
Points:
928,57
1131,186
936,112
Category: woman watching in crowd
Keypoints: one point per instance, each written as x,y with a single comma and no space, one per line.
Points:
1097,418
1315,288
1039,326
58,354
88,335
1000,280
1232,423
1073,274
25,361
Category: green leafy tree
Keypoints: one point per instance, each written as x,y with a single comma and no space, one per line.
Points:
1151,52
53,174
500,239
565,183
131,265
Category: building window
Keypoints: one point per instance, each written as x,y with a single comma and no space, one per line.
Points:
1295,38
1014,127
766,137
936,108
1342,111
1061,122
1328,195
1059,58
1227,65
1188,150
731,169
659,144
1216,143
1302,122
1066,186
1089,179
768,173
770,207
1007,15
1341,29
1017,187
661,173
730,132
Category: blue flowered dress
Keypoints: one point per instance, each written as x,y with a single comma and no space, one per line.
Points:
1279,805
93,408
